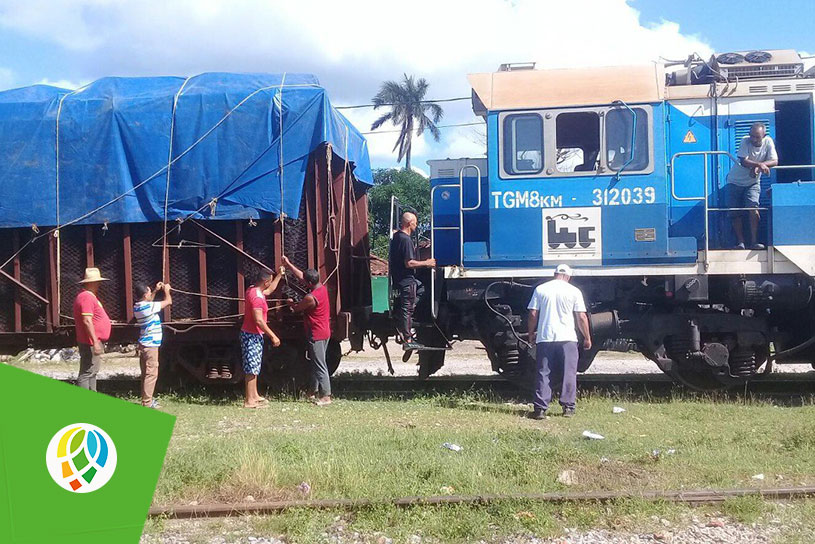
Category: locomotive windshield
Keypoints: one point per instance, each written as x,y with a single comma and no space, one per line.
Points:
523,144
619,125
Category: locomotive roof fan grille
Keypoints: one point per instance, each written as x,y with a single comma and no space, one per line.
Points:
740,65
737,66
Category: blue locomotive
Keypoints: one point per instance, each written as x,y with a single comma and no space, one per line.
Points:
620,172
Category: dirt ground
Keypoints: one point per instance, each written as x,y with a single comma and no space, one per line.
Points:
466,358
469,358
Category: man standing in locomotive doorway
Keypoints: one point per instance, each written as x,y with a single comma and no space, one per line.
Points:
756,156
552,311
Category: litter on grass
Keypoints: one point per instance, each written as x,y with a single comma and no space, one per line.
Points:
617,410
452,447
567,477
758,477
593,436
657,454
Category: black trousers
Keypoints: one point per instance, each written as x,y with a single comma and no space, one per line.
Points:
407,297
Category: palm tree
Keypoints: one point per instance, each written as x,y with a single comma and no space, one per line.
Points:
408,110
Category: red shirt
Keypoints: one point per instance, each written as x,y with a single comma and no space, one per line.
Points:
254,299
318,319
86,303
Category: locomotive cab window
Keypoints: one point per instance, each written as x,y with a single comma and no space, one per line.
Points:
523,144
578,141
621,132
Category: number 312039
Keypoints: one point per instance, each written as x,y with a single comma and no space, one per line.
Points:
624,196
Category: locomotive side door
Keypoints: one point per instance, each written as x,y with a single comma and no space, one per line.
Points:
736,117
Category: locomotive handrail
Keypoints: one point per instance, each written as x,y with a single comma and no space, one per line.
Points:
461,209
461,184
703,198
688,153
433,227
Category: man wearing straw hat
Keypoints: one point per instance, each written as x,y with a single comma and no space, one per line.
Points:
92,328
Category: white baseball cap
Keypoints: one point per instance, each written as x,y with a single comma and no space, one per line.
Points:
564,269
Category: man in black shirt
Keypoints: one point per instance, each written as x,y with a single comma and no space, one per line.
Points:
403,264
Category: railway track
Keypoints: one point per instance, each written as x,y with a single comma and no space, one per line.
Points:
781,385
689,497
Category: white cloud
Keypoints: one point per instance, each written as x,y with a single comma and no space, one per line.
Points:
7,78
63,83
352,46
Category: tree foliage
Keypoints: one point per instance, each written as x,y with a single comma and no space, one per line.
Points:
408,111
412,190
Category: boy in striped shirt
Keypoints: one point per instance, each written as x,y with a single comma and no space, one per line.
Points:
146,311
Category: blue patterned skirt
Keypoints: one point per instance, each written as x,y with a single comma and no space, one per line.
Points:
251,352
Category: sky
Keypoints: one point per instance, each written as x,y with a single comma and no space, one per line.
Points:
353,46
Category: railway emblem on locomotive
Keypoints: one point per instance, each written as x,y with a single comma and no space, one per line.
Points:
572,234
81,458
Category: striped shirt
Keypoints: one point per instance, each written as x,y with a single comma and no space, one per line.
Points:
146,314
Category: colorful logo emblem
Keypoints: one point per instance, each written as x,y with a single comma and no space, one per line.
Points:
81,458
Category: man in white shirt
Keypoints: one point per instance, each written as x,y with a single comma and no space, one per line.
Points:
756,156
552,311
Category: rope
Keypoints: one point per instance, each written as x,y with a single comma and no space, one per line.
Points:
338,236
220,297
167,187
280,173
57,296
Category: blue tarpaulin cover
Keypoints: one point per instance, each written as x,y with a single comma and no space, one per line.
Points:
111,148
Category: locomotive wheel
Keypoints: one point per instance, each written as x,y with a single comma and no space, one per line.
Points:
430,362
696,380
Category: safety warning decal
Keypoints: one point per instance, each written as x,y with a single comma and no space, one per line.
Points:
689,138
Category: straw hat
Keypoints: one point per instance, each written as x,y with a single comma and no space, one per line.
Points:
92,275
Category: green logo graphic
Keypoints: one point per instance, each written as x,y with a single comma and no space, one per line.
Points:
81,458
75,466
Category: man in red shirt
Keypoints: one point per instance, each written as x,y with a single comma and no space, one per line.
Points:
254,327
316,310
92,328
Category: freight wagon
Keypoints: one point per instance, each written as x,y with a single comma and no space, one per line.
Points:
196,181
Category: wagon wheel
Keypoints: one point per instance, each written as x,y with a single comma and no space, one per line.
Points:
333,356
284,367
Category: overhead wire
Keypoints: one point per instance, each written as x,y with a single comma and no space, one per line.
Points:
437,101
437,126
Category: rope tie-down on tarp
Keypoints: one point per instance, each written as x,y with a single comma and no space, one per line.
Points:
310,110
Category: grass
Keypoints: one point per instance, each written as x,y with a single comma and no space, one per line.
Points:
382,448
386,448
